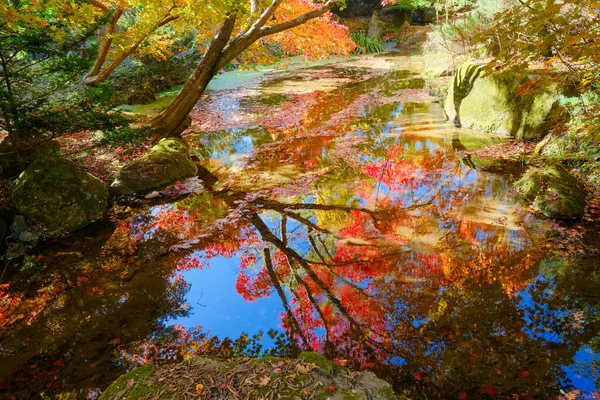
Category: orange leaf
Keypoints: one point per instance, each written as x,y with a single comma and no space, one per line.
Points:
199,388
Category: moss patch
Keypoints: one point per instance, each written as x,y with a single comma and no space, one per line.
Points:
132,385
322,362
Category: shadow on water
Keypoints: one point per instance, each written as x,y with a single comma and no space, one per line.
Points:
342,221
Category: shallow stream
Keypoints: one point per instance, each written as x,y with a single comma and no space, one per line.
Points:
338,216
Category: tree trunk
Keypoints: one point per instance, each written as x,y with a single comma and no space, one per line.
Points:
174,119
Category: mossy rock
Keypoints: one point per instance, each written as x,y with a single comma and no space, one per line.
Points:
490,103
554,192
56,195
322,362
132,385
166,163
207,377
494,164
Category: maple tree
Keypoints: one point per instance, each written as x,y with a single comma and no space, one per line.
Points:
240,31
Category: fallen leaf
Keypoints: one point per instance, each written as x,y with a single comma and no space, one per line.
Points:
264,381
199,388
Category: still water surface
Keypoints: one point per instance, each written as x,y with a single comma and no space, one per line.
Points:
337,216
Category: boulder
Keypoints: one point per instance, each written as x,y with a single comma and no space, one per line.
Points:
166,163
311,375
32,149
56,195
491,103
554,192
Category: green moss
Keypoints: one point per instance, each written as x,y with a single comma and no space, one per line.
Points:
494,164
166,163
140,376
472,140
322,362
491,103
55,194
267,360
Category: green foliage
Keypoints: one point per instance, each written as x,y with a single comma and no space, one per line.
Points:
41,65
124,134
139,78
366,44
411,5
455,40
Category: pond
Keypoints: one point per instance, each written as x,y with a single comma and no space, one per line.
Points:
336,213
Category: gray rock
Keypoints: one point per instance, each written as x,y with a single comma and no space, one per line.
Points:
18,226
166,163
29,238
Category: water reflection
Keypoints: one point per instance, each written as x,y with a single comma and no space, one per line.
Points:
347,224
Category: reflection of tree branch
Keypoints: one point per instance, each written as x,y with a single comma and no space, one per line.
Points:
306,221
291,254
311,299
279,290
277,206
325,247
316,249
282,207
284,229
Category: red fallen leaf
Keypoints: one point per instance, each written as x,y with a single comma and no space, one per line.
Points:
58,363
418,376
525,374
491,390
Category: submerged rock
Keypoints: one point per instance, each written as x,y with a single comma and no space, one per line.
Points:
311,376
491,103
554,192
55,194
166,163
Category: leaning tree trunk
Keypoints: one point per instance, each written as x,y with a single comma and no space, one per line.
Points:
175,118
